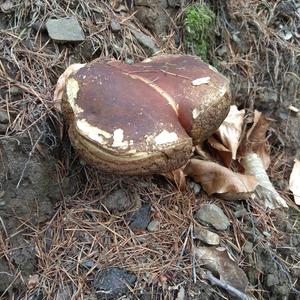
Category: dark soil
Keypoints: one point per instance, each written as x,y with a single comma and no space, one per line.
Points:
29,192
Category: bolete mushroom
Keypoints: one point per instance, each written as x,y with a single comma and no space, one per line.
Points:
142,118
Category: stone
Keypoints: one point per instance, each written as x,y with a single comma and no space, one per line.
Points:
271,280
117,201
248,247
146,41
141,218
155,15
113,283
211,214
115,26
65,30
222,50
4,117
15,91
240,212
206,236
181,294
7,6
153,226
195,187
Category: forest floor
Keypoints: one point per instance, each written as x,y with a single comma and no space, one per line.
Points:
66,229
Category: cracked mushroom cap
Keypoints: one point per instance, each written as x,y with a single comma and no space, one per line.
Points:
143,118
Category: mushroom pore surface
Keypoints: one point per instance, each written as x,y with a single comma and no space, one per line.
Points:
143,118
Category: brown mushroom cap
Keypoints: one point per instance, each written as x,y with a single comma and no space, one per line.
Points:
143,118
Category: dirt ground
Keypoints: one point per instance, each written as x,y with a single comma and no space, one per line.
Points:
64,225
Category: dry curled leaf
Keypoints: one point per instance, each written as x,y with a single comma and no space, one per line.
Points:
178,176
216,179
219,262
227,137
256,138
294,183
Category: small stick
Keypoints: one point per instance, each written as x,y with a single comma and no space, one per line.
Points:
193,255
229,288
184,244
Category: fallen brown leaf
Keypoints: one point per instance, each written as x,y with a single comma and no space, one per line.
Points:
256,138
216,179
219,262
294,183
177,176
227,137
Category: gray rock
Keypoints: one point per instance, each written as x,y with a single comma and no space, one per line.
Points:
222,50
141,218
65,30
146,41
7,6
248,247
206,236
118,200
241,212
3,117
181,294
15,91
212,215
115,26
155,14
195,187
271,280
113,283
153,226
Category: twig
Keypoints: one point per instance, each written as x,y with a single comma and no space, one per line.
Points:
184,244
230,289
193,256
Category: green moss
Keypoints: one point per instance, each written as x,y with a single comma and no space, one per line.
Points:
198,30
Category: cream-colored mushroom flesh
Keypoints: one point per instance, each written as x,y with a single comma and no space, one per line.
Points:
143,118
